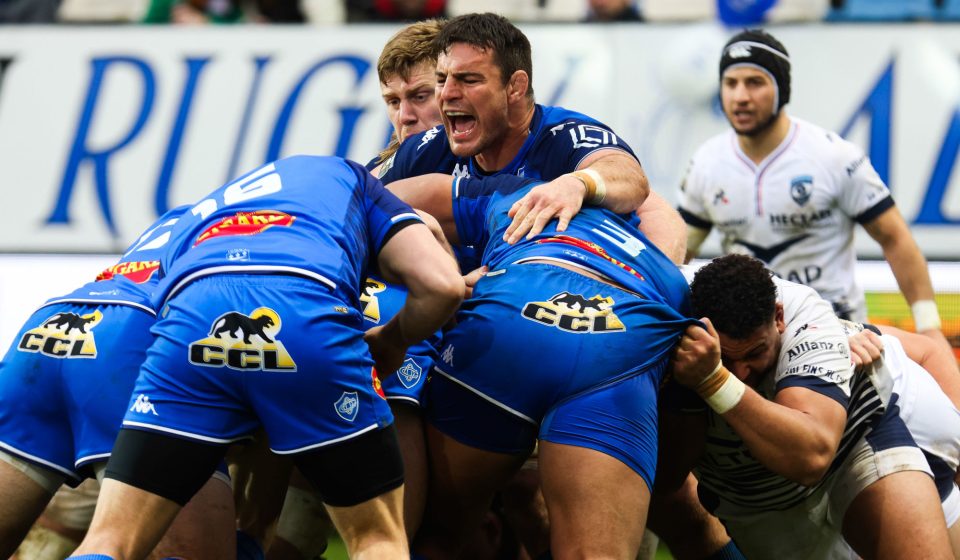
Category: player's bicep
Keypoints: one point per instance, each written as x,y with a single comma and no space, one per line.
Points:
828,417
414,258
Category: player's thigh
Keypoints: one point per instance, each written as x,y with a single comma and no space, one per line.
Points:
898,516
597,504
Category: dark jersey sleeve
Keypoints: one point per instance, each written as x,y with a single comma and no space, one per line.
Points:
427,152
567,144
386,214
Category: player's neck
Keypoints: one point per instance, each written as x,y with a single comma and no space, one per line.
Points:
759,146
498,155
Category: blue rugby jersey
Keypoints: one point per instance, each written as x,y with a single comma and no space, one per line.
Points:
319,217
559,140
132,280
596,239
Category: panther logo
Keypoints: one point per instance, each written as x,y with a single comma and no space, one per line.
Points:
577,302
64,335
230,343
575,313
71,320
234,322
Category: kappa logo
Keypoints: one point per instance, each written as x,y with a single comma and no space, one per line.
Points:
447,355
801,188
347,406
369,302
64,335
427,137
143,406
461,171
410,373
575,313
243,342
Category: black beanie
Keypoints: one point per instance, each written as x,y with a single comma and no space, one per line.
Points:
756,47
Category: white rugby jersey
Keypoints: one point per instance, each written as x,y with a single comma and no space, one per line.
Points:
814,354
795,211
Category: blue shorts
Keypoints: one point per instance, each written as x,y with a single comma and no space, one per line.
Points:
66,380
235,351
407,384
577,360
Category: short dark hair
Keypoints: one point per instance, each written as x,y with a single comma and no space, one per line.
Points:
510,47
736,293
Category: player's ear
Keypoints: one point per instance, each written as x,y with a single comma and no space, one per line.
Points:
518,85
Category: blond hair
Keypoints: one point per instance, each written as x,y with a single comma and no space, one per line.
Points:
408,48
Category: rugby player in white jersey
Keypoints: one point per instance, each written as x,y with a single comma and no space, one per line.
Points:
793,450
790,193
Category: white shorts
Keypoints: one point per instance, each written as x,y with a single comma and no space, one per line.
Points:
812,529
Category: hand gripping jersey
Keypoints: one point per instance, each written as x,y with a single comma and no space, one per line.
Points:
795,211
596,239
558,141
814,355
317,217
542,352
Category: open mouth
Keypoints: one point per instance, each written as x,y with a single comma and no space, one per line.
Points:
461,124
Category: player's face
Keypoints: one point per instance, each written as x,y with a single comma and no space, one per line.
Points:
752,358
748,96
411,104
473,99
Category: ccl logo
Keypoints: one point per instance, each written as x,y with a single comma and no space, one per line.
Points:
575,313
243,342
64,335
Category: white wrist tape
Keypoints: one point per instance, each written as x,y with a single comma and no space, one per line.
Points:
601,191
925,315
721,389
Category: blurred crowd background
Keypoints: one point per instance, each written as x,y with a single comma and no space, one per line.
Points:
325,12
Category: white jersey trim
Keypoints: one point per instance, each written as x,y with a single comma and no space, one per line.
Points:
189,435
325,443
124,302
35,459
247,269
485,397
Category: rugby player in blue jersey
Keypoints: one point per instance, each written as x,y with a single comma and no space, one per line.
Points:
260,324
492,125
565,340
65,384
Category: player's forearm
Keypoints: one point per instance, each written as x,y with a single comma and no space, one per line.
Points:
663,226
624,181
428,306
909,267
789,442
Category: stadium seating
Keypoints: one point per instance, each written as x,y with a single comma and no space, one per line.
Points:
883,10
950,10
